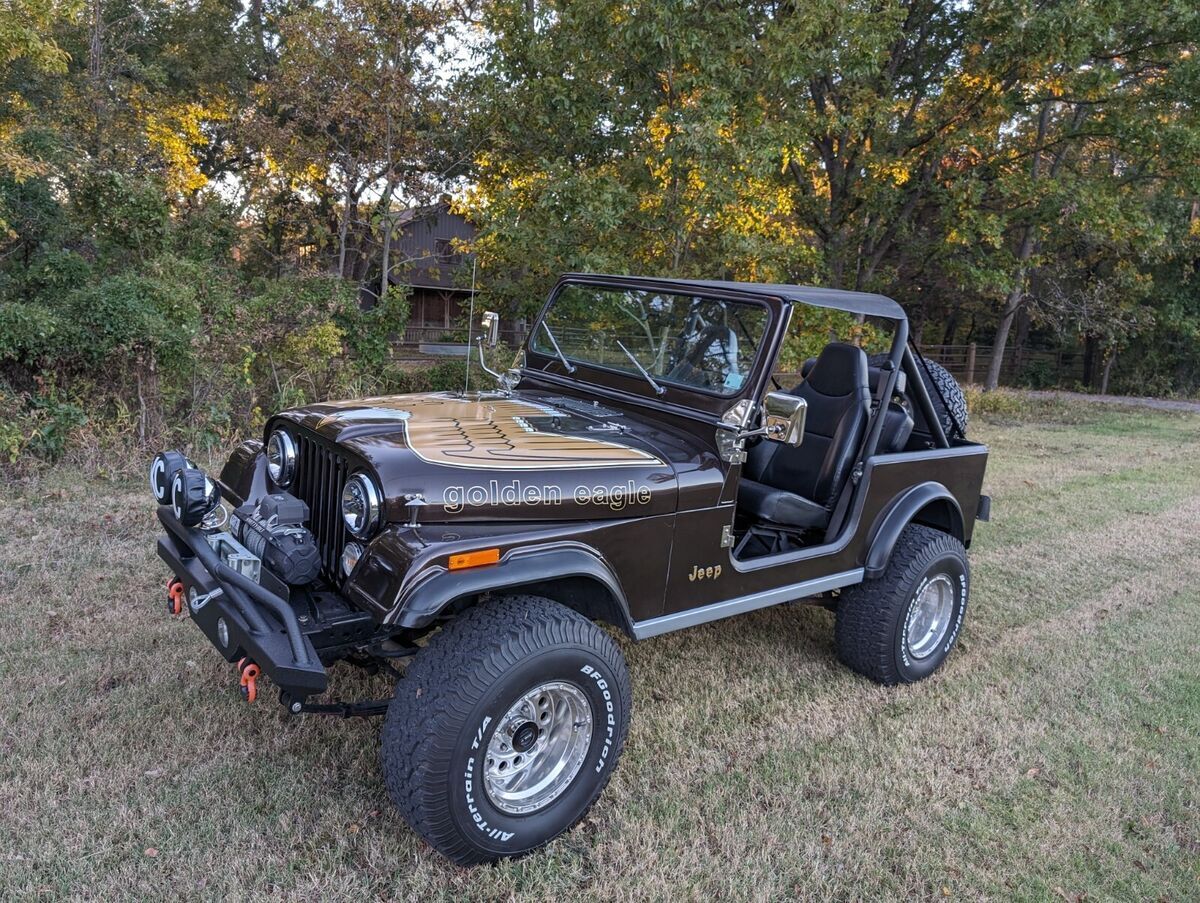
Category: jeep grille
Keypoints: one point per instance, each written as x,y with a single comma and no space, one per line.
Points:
320,477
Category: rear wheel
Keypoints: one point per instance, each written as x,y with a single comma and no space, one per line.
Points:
900,627
506,728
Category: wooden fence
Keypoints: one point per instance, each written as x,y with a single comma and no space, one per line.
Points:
970,363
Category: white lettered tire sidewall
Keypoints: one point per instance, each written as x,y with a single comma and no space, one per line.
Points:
952,565
502,834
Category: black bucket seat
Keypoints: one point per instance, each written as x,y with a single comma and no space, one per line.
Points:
797,486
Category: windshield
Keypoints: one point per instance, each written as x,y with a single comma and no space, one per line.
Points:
685,340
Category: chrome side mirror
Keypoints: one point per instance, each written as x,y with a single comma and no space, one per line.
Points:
491,327
509,379
783,418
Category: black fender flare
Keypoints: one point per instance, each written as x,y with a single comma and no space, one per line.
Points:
244,476
563,571
899,514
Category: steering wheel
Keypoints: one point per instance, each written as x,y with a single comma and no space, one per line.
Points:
698,360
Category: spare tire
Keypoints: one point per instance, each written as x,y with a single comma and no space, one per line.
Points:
944,391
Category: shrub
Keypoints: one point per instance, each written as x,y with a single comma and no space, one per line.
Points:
29,333
39,425
1004,403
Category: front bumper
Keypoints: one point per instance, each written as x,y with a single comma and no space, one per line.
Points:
239,622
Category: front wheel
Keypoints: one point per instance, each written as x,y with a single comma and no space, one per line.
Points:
505,728
900,627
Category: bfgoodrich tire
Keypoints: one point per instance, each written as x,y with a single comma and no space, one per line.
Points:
505,728
900,627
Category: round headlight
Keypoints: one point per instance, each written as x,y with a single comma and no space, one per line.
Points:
281,458
360,505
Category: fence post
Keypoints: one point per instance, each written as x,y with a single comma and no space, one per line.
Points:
971,364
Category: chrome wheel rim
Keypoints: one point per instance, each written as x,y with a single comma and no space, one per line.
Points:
929,616
538,748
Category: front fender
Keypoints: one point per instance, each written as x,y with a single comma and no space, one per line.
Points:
244,475
900,513
570,572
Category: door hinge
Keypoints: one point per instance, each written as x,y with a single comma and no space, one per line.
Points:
857,473
726,536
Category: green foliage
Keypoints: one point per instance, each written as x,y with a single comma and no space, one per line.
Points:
129,216
195,196
368,333
29,333
39,425
1037,374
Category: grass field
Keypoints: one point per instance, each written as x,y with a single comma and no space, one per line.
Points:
1056,756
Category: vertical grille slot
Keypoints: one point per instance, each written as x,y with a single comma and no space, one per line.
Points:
321,475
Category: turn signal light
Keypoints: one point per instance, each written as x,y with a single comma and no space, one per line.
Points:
474,559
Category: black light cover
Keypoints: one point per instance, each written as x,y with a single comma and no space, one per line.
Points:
162,474
193,495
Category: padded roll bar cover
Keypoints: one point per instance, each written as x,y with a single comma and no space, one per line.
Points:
898,515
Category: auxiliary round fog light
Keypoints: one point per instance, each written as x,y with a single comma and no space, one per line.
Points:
162,474
223,632
350,556
193,496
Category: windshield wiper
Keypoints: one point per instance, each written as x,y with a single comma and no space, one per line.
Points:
553,341
642,370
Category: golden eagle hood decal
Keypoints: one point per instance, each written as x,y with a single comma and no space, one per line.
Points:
488,432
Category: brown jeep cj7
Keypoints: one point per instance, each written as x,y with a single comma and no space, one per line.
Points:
644,466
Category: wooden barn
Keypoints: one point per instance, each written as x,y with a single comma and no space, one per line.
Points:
426,256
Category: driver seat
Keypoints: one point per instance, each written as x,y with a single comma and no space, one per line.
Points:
796,487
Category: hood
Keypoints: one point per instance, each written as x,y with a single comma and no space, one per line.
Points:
487,457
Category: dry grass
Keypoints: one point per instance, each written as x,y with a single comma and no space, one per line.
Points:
1056,756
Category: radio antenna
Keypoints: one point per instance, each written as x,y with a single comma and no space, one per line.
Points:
470,326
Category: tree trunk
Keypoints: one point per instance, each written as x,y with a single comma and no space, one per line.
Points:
1090,346
1017,296
385,265
95,74
951,328
1011,305
1108,365
348,203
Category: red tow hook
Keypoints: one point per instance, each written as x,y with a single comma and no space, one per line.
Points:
175,596
249,672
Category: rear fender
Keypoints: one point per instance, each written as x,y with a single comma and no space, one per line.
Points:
928,503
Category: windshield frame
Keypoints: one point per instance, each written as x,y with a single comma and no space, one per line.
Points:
773,308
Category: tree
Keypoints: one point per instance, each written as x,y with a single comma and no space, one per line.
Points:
352,114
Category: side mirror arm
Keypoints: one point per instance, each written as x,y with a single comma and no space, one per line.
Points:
483,363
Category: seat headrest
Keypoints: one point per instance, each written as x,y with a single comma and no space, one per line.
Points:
839,370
